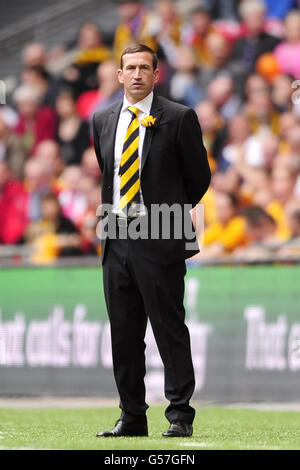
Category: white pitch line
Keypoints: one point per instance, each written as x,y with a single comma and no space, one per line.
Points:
197,444
215,445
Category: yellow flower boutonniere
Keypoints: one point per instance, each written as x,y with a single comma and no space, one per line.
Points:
148,121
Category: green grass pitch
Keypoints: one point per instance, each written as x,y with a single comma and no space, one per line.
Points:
214,428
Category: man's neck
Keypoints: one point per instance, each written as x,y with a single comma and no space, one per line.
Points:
132,100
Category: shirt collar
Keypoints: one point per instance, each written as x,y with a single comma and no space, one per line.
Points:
143,105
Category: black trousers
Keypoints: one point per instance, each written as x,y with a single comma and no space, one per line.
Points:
136,287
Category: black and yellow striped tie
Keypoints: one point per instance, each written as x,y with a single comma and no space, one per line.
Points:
129,166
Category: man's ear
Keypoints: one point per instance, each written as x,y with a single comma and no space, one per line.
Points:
156,75
120,76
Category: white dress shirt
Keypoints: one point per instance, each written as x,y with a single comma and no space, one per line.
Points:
124,120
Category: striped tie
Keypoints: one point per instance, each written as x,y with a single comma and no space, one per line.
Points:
129,166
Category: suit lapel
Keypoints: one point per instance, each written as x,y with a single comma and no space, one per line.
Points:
156,111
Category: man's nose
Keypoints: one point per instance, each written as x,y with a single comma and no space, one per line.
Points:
137,73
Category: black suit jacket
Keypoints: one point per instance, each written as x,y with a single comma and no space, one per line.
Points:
174,167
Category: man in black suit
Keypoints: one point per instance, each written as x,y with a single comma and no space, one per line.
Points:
151,153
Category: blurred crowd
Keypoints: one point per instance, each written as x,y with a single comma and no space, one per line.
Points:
235,62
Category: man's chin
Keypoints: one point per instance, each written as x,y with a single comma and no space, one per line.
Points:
139,93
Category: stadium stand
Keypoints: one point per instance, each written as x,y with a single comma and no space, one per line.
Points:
237,66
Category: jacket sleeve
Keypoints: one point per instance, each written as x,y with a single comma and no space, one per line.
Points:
96,143
193,157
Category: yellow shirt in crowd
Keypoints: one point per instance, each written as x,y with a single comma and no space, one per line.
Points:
230,235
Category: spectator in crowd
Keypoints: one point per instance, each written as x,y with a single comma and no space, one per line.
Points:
36,122
221,63
294,222
262,115
39,78
90,164
284,178
222,93
133,27
34,54
260,225
291,248
283,182
53,235
287,122
90,243
214,131
223,182
195,32
256,184
281,93
82,74
256,41
241,141
73,133
72,199
287,53
255,84
223,9
165,26
228,232
12,149
256,188
293,140
261,230
107,93
270,148
13,207
184,84
9,115
37,183
36,72
48,153
287,140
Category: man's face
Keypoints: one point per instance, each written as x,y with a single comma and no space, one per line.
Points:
224,208
137,75
128,10
201,22
255,22
50,209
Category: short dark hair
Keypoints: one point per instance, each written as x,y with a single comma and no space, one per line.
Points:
132,49
296,215
49,196
256,215
38,70
234,201
201,10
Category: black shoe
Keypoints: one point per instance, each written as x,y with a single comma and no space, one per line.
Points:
125,429
179,429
